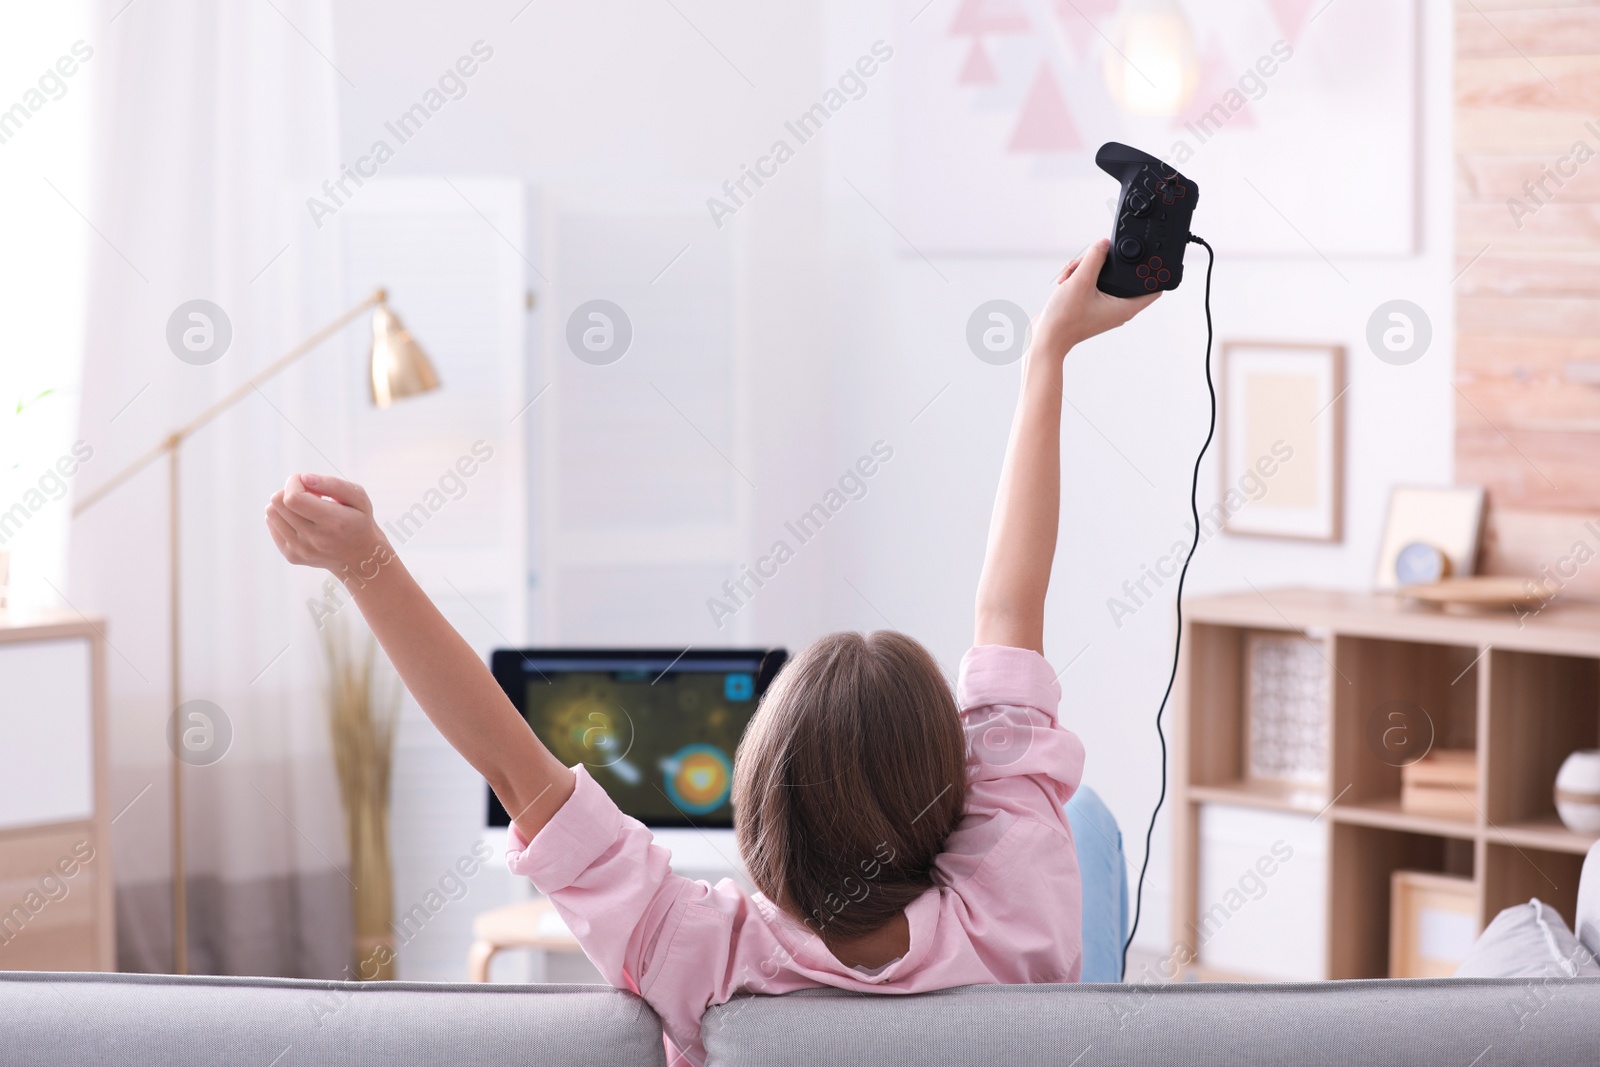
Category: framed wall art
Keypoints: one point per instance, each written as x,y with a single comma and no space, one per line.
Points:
1001,105
1282,440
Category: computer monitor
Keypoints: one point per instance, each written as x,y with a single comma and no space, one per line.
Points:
657,728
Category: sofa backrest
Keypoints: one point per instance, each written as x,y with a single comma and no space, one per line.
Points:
75,1019
1449,1022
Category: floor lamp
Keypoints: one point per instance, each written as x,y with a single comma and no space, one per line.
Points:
399,369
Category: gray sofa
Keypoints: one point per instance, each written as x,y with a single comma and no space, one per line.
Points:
77,1019
163,1021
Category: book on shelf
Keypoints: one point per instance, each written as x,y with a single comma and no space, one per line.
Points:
1443,783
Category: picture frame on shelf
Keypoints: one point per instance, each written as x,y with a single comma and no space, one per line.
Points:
1282,440
1433,923
1448,518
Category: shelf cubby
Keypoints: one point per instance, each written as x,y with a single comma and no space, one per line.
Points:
1361,864
1513,874
1216,758
1412,679
1541,707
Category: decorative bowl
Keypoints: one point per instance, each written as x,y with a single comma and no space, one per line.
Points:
1578,791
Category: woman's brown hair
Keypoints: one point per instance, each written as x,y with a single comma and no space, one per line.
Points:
848,781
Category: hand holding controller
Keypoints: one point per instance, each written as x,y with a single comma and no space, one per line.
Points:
1146,257
1152,227
1077,310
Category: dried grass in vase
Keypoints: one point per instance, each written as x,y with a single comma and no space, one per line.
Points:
363,710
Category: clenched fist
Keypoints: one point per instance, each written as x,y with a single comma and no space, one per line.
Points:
320,521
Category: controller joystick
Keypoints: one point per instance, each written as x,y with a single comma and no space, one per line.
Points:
1152,225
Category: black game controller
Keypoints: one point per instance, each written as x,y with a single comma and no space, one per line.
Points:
1152,227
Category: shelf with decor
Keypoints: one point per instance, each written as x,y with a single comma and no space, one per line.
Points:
1413,750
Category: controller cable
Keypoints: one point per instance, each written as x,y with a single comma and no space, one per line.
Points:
1177,645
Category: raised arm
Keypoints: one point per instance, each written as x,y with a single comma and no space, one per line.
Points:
1027,509
318,521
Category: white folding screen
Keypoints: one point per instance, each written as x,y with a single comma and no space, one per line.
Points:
643,463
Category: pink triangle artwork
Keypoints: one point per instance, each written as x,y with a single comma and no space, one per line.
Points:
1045,124
1292,16
990,16
1005,102
978,68
1078,19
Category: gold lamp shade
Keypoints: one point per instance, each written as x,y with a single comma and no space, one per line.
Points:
399,366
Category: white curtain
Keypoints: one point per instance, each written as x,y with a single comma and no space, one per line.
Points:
214,123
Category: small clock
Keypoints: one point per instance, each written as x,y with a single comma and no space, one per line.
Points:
1420,563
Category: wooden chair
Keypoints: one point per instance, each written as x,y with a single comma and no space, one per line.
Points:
533,924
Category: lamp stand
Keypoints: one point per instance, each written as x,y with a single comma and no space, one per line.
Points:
170,447
180,883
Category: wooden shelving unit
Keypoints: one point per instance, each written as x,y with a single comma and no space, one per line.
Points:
1520,693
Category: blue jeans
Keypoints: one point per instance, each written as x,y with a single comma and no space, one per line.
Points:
1105,885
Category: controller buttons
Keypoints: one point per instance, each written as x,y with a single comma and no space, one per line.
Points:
1139,203
1171,191
1153,274
1129,248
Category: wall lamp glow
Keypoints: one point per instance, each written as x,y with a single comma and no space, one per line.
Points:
1152,68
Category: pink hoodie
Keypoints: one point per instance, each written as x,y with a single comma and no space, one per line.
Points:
1006,908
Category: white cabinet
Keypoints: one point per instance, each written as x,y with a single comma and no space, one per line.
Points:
46,735
55,849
